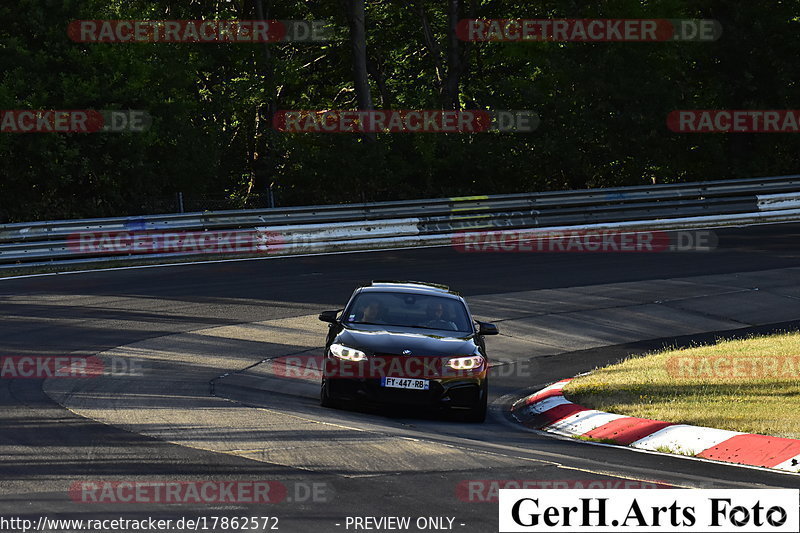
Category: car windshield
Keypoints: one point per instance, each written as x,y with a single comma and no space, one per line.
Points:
408,310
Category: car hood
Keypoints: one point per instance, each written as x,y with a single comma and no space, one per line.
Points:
394,340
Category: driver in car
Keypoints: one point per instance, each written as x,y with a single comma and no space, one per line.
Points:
438,317
371,313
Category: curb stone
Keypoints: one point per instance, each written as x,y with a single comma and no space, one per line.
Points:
548,410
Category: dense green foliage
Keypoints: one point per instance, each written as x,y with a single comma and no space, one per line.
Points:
603,106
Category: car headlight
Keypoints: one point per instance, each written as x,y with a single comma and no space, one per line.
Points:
348,354
470,362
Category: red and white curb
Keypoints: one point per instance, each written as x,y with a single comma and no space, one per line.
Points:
549,411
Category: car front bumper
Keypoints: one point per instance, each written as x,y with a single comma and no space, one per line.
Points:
456,393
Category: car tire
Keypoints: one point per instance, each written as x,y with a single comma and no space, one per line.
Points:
477,414
325,398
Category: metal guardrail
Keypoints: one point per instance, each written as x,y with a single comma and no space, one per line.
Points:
283,231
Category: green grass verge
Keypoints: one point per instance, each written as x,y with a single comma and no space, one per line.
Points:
750,385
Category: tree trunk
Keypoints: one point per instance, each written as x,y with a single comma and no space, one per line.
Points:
263,162
455,59
358,40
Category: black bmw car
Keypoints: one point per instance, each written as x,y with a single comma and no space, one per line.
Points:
408,344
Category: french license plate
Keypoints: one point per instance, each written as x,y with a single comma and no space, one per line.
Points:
406,383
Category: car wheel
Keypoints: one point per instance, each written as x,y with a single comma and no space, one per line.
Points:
478,413
325,398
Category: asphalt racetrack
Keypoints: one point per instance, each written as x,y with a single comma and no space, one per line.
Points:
559,314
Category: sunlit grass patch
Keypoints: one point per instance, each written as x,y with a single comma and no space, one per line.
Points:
750,385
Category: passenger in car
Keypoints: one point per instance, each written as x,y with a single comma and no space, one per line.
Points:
438,317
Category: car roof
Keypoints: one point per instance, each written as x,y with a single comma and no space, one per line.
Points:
416,287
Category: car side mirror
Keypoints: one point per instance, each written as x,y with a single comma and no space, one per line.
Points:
485,328
329,316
